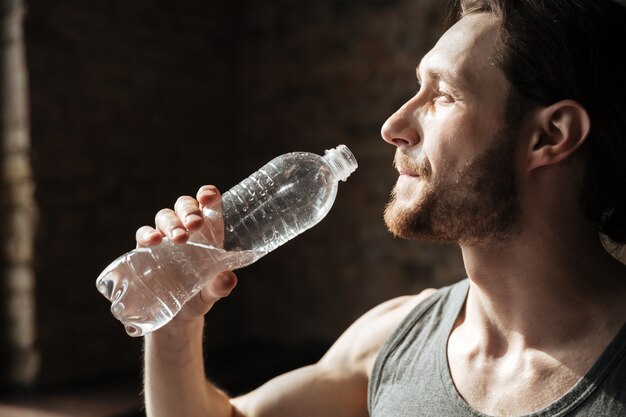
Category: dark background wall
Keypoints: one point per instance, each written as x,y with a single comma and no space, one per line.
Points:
134,103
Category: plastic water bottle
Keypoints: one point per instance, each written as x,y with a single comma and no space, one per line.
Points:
292,193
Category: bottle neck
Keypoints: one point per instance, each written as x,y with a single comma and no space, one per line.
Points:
341,161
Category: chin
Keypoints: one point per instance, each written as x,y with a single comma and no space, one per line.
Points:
415,218
399,219
408,189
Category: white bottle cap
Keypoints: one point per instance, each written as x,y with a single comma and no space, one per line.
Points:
341,161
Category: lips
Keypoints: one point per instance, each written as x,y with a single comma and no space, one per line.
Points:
406,166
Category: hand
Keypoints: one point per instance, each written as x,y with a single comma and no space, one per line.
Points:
177,225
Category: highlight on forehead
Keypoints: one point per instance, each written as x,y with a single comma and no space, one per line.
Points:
480,6
462,8
463,54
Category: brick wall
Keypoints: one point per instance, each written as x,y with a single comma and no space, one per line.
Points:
18,212
134,103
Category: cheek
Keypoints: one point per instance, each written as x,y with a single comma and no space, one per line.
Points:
458,140
441,154
456,135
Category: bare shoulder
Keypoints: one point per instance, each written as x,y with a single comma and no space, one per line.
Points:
337,384
356,350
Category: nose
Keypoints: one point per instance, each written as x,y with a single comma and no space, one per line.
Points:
400,128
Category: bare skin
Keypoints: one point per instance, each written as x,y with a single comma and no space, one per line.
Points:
541,307
175,383
544,304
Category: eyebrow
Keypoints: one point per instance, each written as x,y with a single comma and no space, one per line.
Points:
442,75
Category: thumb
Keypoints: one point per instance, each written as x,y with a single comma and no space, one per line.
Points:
218,287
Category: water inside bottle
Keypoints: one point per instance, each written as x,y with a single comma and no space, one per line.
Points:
287,196
146,293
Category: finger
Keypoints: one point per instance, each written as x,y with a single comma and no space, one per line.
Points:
188,210
210,200
207,195
148,236
219,287
168,223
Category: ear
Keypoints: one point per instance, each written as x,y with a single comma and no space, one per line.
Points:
560,129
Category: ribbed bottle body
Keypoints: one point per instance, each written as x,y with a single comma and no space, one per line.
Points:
148,286
278,202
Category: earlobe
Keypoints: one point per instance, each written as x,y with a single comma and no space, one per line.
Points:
560,130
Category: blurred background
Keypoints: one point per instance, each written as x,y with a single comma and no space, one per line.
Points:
111,109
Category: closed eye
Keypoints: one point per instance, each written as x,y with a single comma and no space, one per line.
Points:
444,98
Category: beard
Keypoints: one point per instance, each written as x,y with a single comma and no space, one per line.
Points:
477,204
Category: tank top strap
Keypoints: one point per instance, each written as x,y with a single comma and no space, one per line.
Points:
441,309
411,374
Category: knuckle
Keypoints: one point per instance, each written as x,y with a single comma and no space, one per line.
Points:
143,230
143,235
182,201
164,217
186,205
163,213
207,298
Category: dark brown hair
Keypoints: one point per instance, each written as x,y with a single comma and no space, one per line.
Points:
552,50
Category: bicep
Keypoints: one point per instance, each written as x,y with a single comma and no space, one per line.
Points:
337,384
315,390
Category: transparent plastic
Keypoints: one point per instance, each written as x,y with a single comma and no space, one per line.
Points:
292,193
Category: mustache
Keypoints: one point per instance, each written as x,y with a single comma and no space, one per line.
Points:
403,163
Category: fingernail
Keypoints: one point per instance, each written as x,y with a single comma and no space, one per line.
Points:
177,232
209,192
192,218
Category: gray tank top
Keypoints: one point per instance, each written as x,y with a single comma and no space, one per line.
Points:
411,375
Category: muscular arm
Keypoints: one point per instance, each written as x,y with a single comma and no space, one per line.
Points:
174,380
175,383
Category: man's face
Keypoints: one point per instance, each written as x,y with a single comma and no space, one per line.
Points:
455,156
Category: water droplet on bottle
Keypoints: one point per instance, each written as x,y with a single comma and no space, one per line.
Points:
149,285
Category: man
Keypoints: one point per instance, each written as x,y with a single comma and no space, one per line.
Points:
513,147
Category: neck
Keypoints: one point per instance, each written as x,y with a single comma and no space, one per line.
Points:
544,287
